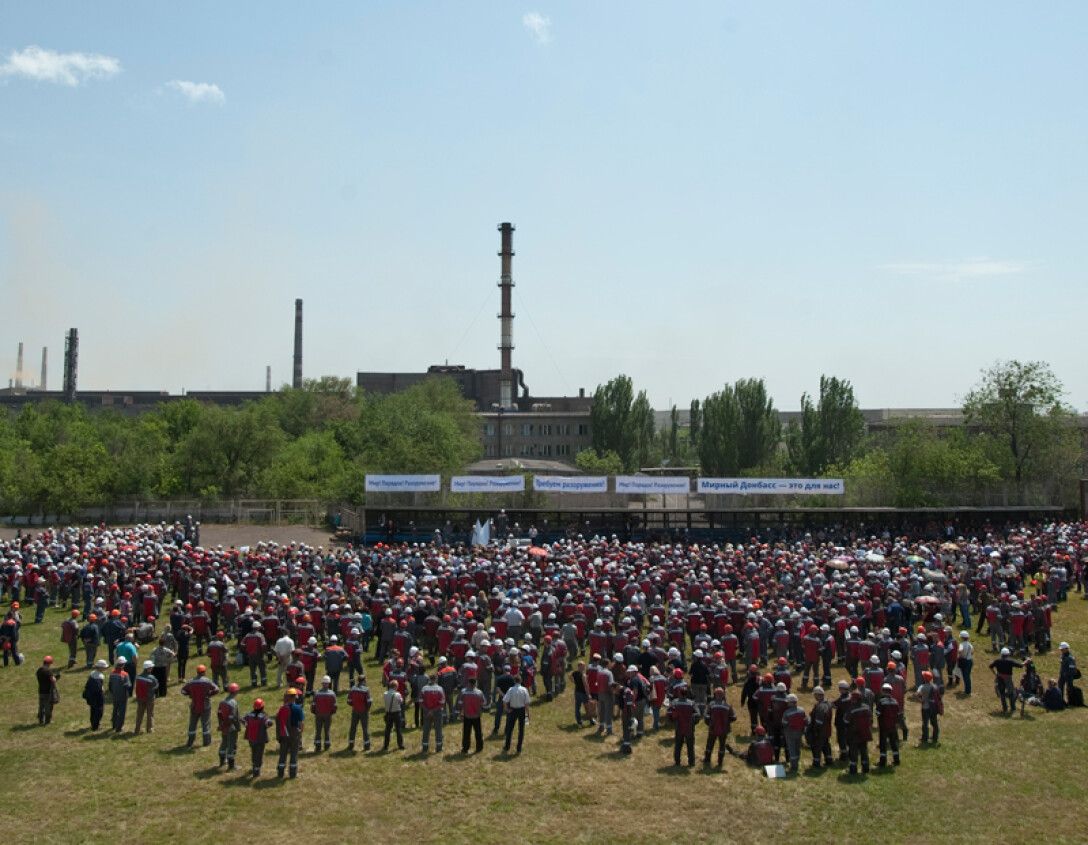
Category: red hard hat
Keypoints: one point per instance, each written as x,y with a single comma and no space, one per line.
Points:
781,661
258,704
47,659
75,612
760,730
201,669
678,673
859,681
232,687
768,678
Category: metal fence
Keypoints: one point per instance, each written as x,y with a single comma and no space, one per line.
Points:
261,511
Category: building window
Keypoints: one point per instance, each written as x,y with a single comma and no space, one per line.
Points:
489,430
545,429
546,450
583,429
489,450
526,429
508,429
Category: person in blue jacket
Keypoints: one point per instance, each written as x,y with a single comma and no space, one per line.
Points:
94,693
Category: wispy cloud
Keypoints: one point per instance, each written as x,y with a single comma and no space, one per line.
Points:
539,25
70,69
965,269
198,92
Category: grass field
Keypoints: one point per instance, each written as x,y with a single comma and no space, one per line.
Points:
990,779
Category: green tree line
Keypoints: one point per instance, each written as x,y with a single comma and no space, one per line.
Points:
1017,433
316,442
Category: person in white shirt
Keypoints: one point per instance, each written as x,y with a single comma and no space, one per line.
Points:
283,649
516,704
966,660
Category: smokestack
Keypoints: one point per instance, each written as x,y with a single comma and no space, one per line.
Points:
19,368
268,379
296,380
45,369
71,364
506,317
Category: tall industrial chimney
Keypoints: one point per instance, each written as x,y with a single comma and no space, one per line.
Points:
506,317
296,380
71,364
268,379
45,369
19,368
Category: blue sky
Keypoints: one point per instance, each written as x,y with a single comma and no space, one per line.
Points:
891,193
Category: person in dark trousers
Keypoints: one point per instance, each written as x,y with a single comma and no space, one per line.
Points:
393,702
289,722
47,690
1067,673
118,686
682,712
471,703
516,703
94,693
256,724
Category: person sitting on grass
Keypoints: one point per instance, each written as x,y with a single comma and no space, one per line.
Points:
1052,698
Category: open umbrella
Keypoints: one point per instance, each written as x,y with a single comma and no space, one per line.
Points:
874,557
949,547
927,600
537,551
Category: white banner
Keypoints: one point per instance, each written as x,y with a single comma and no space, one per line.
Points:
487,484
403,483
653,484
772,486
570,483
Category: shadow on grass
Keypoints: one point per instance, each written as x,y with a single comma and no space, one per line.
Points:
816,773
595,737
674,771
269,783
881,771
206,774
456,757
927,746
104,733
240,780
846,777
78,732
343,752
177,750
29,726
572,729
504,757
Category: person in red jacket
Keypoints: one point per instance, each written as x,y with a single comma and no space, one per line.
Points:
69,635
146,685
360,700
471,703
720,717
200,691
859,730
887,717
256,724
682,712
323,706
760,750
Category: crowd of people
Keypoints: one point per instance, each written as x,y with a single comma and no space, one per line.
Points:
646,637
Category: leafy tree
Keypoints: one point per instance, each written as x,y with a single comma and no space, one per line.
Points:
623,423
919,466
593,464
1018,405
228,448
674,435
741,429
695,421
429,427
829,432
312,466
